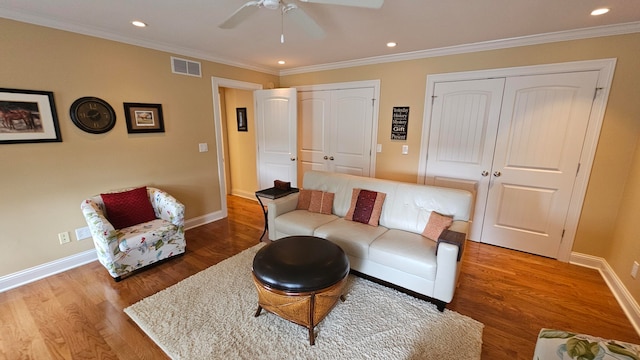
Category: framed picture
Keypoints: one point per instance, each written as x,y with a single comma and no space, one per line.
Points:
143,118
241,117
28,116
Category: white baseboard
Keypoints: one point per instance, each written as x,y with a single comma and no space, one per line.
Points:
42,271
627,302
26,276
204,219
244,194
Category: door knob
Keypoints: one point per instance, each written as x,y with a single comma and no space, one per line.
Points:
293,159
331,158
497,173
326,157
484,173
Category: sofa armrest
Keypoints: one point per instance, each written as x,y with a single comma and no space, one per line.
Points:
167,207
280,206
449,251
454,238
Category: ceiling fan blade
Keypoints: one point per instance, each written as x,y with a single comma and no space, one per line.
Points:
240,15
372,4
304,21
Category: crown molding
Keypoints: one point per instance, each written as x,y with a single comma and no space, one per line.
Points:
577,34
585,33
99,33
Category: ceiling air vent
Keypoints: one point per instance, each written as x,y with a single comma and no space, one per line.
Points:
185,67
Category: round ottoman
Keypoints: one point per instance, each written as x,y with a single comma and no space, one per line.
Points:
300,278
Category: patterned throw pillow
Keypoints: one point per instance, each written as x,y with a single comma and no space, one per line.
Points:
321,202
366,206
128,208
304,199
436,224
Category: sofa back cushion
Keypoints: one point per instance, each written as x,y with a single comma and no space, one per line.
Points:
406,206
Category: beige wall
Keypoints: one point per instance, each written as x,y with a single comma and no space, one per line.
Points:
241,156
43,184
615,175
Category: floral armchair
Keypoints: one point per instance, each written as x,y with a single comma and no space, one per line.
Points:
563,345
130,248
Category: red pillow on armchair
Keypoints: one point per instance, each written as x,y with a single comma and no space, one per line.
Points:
128,208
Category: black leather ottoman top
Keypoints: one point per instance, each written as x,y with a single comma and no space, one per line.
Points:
300,264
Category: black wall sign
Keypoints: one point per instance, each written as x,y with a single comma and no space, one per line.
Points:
399,123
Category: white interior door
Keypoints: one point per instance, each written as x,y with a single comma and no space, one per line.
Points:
352,120
336,130
464,124
276,118
314,113
540,138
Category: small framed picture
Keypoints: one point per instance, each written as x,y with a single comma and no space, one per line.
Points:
241,117
143,118
28,116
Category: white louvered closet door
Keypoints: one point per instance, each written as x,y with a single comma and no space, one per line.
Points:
516,144
464,124
542,128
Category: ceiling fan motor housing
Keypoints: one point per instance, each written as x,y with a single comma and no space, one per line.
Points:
271,4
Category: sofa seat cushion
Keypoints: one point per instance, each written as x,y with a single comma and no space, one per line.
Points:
301,222
353,237
145,234
405,251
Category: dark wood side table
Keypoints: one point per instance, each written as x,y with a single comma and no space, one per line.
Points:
272,194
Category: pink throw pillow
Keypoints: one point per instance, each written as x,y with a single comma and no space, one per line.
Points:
321,202
304,199
436,225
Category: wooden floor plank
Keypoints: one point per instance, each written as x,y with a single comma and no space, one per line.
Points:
79,314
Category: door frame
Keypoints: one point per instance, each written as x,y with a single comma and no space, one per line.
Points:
216,84
375,84
605,67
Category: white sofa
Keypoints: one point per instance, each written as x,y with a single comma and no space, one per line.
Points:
395,251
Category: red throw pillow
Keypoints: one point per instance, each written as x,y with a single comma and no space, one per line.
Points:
366,206
321,202
128,208
436,224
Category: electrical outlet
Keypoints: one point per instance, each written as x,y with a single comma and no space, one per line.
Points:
634,269
83,233
64,237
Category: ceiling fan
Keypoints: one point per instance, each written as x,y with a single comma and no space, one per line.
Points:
294,12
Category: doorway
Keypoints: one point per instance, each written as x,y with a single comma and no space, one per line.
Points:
217,84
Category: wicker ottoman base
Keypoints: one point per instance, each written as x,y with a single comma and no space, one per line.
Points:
304,308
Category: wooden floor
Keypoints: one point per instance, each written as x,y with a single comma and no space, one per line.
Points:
78,314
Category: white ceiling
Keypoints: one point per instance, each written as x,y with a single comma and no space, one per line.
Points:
190,27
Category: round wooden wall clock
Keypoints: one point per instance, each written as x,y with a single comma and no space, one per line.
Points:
92,115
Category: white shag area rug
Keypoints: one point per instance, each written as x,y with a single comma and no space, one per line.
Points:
210,315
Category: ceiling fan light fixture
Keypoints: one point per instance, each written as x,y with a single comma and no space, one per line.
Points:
600,11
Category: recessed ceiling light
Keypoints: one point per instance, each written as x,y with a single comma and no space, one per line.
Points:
138,23
281,62
600,11
391,44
